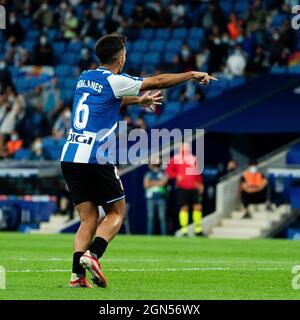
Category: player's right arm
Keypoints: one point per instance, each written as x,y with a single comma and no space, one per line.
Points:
169,80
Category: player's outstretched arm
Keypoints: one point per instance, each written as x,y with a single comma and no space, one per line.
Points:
169,80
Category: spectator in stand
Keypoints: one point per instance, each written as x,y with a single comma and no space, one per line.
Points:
191,92
138,17
278,52
43,18
289,37
37,150
177,13
255,18
190,188
88,25
14,28
232,165
70,25
62,124
14,144
234,27
253,187
259,63
187,58
155,181
52,97
217,51
236,62
114,16
5,77
16,55
86,61
43,52
212,16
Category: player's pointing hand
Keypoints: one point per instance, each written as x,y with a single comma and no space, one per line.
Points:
203,77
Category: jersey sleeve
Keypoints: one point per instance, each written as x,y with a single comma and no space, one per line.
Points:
124,85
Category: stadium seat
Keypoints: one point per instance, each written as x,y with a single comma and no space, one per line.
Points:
278,20
146,34
74,47
150,119
22,154
32,35
179,33
70,83
25,23
293,156
174,45
140,45
294,69
52,34
157,45
197,33
194,44
135,58
162,34
152,58
29,45
62,70
169,56
70,59
278,70
59,48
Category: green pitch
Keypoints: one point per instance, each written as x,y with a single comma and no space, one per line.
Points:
137,267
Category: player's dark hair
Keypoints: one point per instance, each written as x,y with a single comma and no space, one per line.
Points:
108,47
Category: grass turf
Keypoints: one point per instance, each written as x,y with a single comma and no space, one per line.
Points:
138,267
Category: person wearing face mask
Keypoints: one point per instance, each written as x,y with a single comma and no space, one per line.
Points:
62,124
14,144
155,181
43,52
44,17
253,187
14,28
86,61
37,150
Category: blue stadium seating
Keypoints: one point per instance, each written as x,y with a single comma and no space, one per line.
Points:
59,47
52,34
157,45
62,71
278,69
152,58
32,34
179,33
168,57
162,34
194,44
294,69
135,58
174,107
147,34
140,45
74,47
22,154
174,45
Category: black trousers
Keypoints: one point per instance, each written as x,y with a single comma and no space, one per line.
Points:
254,198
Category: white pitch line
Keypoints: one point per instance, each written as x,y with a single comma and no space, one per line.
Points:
204,261
152,270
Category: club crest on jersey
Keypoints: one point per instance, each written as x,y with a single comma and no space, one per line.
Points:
79,138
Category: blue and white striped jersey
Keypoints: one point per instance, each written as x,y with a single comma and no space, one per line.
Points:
95,115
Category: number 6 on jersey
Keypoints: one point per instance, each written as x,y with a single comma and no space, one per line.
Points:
81,113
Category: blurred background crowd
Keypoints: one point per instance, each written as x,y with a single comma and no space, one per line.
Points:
47,44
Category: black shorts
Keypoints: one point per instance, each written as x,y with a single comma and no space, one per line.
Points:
97,183
188,197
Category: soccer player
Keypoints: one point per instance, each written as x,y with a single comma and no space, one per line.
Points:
97,100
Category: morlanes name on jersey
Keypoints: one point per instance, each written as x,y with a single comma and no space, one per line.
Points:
89,84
